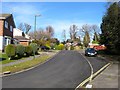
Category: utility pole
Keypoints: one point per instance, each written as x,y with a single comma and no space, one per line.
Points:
35,25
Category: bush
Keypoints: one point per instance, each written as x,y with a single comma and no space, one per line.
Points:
59,47
48,46
20,50
95,42
34,48
28,50
71,47
10,51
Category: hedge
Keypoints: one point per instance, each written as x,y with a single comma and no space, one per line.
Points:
34,48
20,50
10,51
28,50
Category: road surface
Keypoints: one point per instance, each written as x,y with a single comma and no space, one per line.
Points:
66,70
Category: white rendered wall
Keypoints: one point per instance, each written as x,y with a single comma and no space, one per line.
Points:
1,42
17,32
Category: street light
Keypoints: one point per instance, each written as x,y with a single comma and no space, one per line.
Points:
37,15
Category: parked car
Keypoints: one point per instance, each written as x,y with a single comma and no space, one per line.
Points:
44,48
100,47
90,52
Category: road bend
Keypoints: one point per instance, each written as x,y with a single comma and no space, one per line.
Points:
67,69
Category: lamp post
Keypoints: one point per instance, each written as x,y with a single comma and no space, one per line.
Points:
35,25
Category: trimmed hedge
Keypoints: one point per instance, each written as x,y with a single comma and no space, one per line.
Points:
28,50
34,47
20,50
10,51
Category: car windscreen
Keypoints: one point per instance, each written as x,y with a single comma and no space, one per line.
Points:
91,50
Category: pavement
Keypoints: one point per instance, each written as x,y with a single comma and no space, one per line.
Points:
109,78
67,69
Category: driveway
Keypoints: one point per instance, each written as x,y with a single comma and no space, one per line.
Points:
66,70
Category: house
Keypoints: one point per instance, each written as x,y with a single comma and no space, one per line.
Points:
6,30
22,40
20,37
91,45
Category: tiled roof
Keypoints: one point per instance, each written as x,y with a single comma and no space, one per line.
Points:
21,38
4,16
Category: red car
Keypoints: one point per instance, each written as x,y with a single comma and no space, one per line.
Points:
100,47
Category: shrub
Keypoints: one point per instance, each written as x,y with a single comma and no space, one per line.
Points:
95,42
20,50
59,47
71,47
34,48
10,51
48,46
28,50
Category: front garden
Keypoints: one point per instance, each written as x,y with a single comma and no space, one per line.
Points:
23,54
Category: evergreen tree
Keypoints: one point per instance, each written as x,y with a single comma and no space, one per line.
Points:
96,37
86,39
110,29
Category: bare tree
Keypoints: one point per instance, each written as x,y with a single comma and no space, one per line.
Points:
73,32
27,28
96,31
95,28
24,27
21,27
86,28
42,34
50,31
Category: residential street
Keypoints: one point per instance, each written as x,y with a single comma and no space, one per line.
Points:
66,70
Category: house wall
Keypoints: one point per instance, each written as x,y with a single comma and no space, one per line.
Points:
6,31
24,43
17,32
1,27
1,43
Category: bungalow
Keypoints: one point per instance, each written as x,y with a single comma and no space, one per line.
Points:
6,30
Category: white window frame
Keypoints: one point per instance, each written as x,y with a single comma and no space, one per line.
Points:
5,41
11,28
6,24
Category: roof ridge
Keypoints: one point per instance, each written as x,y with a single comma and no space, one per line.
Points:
4,15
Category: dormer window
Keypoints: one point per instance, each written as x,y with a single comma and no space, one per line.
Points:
6,24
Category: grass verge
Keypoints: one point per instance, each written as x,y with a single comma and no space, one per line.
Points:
4,58
25,65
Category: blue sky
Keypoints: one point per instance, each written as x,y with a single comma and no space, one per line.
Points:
60,15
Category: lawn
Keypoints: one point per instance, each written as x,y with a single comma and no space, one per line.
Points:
26,65
4,59
3,56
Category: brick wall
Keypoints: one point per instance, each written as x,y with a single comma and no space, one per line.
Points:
1,27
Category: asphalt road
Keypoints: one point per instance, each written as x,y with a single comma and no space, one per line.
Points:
66,70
